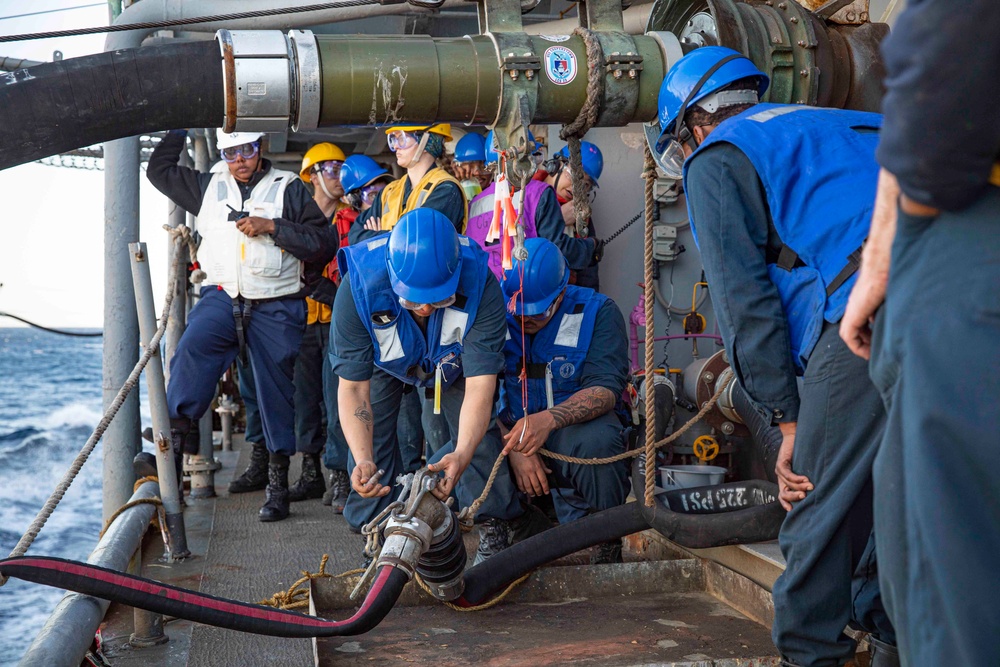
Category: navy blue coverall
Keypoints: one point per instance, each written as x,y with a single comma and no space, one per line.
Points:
210,342
830,579
352,355
936,340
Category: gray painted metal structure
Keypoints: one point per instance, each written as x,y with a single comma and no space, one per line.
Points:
68,633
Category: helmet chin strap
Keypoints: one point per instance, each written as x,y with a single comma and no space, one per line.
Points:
322,186
419,152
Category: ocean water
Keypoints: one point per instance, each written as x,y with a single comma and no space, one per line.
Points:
50,402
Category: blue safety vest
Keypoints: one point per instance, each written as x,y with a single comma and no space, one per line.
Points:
819,173
401,348
557,351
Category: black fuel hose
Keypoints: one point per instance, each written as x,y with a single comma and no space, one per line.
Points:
713,516
487,579
60,106
201,608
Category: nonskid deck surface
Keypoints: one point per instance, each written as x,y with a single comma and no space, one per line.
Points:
654,629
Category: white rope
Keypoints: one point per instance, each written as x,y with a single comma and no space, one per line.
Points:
53,501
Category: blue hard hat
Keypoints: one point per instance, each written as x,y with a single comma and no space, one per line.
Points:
471,148
424,257
545,276
689,70
358,171
491,151
590,155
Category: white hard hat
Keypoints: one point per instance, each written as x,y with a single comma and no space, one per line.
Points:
230,139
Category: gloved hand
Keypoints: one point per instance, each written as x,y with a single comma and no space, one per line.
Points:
598,250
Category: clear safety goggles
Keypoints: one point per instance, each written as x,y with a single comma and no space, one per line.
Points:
400,139
245,151
671,159
370,192
437,305
330,168
541,317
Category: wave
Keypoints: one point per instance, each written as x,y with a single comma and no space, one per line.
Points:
73,415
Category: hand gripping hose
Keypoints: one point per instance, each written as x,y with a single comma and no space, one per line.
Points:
201,608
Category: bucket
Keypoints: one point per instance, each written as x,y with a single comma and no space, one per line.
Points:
685,477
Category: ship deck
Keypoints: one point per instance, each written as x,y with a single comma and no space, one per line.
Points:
664,606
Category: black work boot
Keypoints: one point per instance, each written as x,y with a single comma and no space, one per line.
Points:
254,478
882,654
495,535
276,504
338,490
310,484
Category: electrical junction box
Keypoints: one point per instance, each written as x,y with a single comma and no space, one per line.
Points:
665,243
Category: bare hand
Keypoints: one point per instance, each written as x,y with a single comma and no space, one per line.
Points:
866,297
373,224
255,225
791,487
529,434
530,474
364,482
453,465
569,214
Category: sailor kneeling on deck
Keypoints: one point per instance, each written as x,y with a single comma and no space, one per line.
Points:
264,244
419,306
570,343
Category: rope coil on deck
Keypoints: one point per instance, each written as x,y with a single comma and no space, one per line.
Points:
74,469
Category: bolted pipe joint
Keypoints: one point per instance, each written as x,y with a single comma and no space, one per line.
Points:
271,81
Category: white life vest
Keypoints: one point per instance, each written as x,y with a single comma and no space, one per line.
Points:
251,267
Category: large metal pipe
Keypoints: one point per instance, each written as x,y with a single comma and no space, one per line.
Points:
67,635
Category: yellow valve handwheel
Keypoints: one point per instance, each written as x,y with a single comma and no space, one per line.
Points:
705,448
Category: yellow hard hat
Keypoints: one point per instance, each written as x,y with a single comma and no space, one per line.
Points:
444,129
323,152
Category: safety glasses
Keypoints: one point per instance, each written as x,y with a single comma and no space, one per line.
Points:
400,139
245,151
370,192
330,168
541,316
437,305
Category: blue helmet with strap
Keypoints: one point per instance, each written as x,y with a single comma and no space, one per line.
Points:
545,275
471,148
697,78
491,149
358,171
590,156
424,257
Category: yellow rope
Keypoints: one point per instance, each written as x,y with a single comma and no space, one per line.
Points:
479,607
131,503
297,595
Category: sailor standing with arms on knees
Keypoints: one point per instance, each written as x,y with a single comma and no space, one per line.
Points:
779,239
264,244
419,306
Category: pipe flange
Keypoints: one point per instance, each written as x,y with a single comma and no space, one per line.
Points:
257,74
309,95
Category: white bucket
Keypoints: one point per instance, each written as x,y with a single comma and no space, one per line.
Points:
685,477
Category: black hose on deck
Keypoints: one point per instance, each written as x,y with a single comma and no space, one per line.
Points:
60,106
487,579
201,608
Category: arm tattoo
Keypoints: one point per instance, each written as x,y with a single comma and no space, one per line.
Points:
364,415
583,406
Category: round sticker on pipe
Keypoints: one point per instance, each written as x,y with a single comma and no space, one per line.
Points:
560,65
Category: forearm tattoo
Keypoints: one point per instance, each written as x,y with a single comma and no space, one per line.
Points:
364,415
583,406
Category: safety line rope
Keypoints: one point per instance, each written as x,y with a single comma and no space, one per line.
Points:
572,132
61,332
155,25
649,174
479,607
152,348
